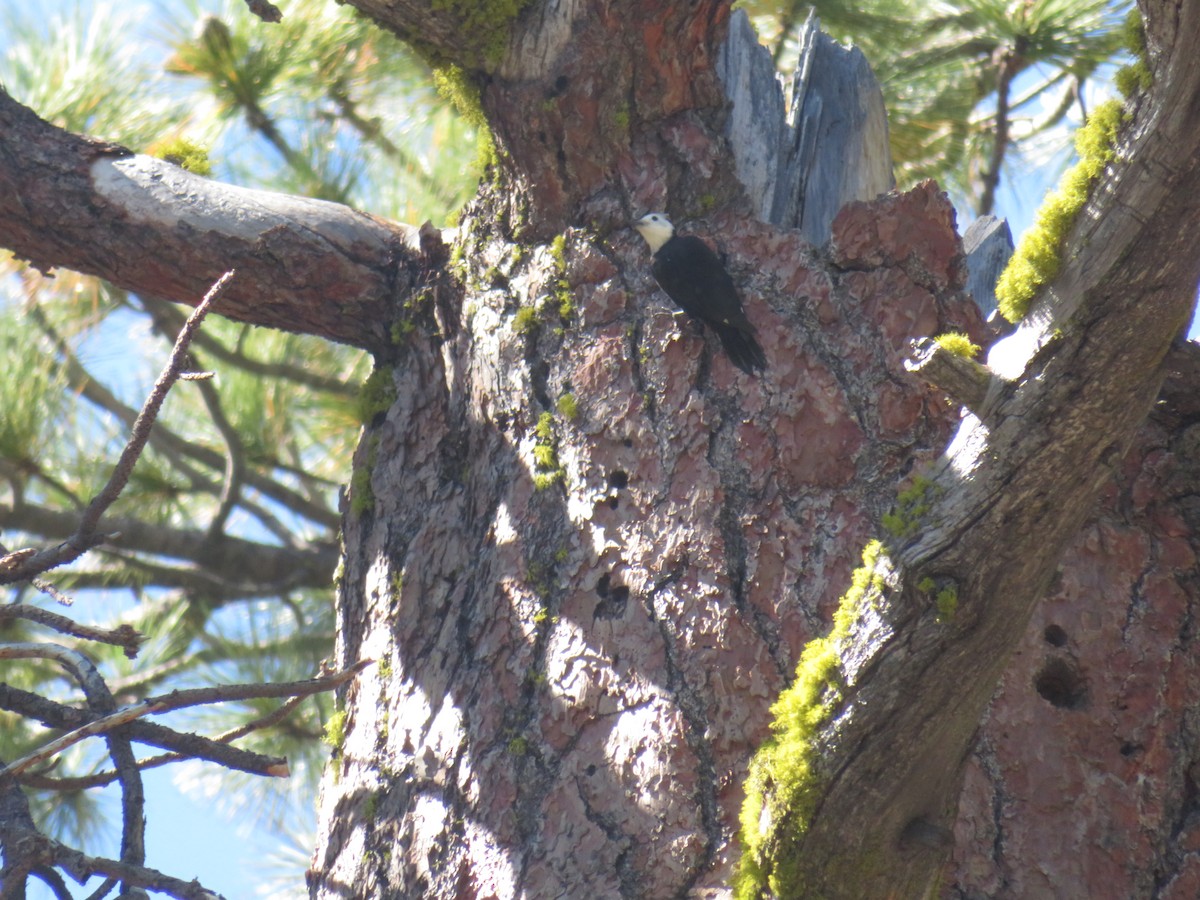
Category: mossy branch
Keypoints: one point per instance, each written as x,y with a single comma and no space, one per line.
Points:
944,364
1038,257
786,777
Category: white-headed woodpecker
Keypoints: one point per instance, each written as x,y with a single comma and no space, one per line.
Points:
693,276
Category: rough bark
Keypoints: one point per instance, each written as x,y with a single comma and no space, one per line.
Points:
572,677
1084,778
1011,491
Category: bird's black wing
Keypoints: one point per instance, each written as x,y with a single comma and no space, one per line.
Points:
692,275
694,278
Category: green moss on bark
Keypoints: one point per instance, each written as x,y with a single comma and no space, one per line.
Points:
785,779
958,344
1038,257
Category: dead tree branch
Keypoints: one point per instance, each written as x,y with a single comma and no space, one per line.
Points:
86,534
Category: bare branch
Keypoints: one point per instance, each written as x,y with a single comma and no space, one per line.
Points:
124,636
100,703
100,779
34,849
169,315
9,561
965,381
307,266
237,563
56,715
91,729
177,450
235,459
223,693
167,702
85,536
145,420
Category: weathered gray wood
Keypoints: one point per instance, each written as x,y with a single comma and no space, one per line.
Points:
833,146
988,244
756,122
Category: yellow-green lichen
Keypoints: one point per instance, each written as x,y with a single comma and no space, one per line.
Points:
1038,256
944,593
401,329
912,503
376,395
947,603
1136,76
462,92
182,152
558,251
566,303
562,287
784,782
458,261
567,407
405,324
958,344
518,746
547,469
483,25
526,320
335,730
362,495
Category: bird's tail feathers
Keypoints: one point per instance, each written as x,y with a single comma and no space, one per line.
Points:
742,348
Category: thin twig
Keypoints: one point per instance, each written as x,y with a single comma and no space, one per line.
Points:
10,560
177,700
105,887
235,459
145,420
55,715
124,636
96,727
226,692
85,536
237,564
168,315
177,450
100,779
35,849
100,703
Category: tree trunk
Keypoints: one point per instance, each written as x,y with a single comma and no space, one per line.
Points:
577,658
587,553
583,619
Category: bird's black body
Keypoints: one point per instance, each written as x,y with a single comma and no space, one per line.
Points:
692,275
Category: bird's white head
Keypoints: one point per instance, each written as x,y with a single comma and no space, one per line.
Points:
656,228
